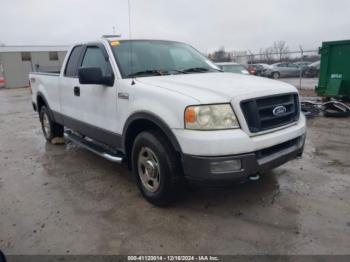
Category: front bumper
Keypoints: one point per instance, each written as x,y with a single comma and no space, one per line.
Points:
200,169
236,141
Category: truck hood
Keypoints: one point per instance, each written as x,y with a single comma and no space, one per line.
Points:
218,87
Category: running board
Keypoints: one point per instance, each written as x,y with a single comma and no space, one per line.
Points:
93,147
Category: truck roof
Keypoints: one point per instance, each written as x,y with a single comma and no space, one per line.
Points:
115,38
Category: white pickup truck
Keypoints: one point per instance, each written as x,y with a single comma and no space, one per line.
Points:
170,113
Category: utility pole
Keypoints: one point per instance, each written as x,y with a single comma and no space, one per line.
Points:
251,58
301,67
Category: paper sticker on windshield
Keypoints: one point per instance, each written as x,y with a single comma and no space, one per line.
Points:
114,43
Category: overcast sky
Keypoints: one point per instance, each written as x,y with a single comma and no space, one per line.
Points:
206,24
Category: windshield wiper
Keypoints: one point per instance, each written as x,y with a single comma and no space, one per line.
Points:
158,72
200,70
148,73
177,71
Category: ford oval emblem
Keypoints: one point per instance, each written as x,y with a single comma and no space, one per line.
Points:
279,110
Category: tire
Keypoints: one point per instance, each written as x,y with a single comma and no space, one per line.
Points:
333,113
335,110
328,112
346,99
49,127
275,75
156,168
2,257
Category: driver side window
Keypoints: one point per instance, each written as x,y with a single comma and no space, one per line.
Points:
94,58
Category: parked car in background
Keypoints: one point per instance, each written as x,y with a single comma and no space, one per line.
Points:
312,70
303,64
2,81
282,70
251,69
258,68
233,68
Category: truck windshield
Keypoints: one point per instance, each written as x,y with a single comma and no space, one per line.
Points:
144,58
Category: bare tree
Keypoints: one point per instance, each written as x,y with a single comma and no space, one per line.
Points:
281,49
220,55
267,54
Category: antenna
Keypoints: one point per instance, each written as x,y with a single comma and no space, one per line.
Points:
301,66
129,14
130,39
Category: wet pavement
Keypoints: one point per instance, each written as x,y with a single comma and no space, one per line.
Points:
65,200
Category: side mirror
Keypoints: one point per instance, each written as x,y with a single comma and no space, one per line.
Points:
93,76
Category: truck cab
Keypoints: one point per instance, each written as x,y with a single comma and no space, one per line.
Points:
170,113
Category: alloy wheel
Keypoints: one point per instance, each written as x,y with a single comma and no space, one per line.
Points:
148,169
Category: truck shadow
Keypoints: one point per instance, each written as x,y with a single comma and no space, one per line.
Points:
85,174
98,190
261,192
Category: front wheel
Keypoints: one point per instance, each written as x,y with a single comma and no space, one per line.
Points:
156,168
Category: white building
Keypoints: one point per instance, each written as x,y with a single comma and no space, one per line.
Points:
240,57
17,61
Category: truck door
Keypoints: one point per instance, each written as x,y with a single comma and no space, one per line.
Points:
68,81
97,104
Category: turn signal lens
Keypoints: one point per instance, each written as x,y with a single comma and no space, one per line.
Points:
190,115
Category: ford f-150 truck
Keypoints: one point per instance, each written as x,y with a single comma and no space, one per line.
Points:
170,113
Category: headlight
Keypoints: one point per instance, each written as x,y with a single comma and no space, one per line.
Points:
210,117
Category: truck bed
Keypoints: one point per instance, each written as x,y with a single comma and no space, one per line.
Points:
46,83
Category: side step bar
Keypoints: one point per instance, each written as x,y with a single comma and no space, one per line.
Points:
93,147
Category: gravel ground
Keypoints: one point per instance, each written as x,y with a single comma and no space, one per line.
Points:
65,200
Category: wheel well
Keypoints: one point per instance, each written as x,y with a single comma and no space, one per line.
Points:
40,102
138,126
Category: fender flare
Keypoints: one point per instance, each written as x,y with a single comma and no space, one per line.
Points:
41,95
144,115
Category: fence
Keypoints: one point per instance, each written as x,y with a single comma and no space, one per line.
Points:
272,57
294,66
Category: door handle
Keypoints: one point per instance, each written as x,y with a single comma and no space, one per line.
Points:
123,95
77,91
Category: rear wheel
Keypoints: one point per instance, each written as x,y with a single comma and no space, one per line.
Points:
49,127
156,168
275,75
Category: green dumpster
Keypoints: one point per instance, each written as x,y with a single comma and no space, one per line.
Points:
334,80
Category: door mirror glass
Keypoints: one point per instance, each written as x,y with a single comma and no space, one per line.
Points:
94,76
